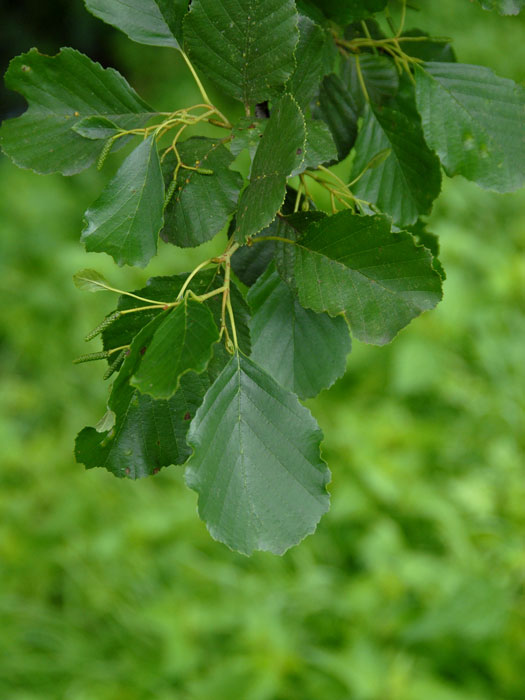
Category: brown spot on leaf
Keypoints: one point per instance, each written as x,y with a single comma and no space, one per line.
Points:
187,415
128,471
143,350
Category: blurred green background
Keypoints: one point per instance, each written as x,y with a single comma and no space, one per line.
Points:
413,587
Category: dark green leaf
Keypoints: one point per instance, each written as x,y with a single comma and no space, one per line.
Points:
379,76
430,241
356,265
166,289
246,47
337,107
349,10
474,121
428,50
319,148
147,434
408,181
247,133
62,91
127,217
249,262
304,351
281,150
156,22
310,64
202,203
291,228
256,463
182,342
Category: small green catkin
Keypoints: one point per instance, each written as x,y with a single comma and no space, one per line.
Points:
92,357
102,326
114,366
104,154
170,192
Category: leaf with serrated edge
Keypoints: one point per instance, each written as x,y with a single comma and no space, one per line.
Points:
409,180
309,58
256,463
126,219
96,128
304,351
181,343
245,46
281,151
202,203
474,120
62,91
319,147
337,107
154,22
357,266
146,434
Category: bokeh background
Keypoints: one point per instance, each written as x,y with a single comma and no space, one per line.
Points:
413,587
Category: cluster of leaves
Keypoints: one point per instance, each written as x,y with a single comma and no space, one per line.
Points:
212,365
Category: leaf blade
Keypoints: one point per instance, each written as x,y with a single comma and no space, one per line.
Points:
268,509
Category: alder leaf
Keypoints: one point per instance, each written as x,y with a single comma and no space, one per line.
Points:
126,219
379,76
347,11
146,434
247,133
409,180
202,203
256,463
182,342
474,120
337,107
166,289
62,91
356,265
90,281
319,147
310,63
96,128
154,22
280,151
302,350
245,46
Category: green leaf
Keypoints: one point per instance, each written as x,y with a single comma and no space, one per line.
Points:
302,350
96,128
127,217
310,64
147,434
504,7
430,50
256,463
407,182
379,76
357,266
155,22
348,11
62,91
202,203
245,46
319,148
181,343
291,228
165,290
247,133
281,150
90,281
336,106
474,119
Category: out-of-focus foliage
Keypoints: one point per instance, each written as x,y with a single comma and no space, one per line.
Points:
413,585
